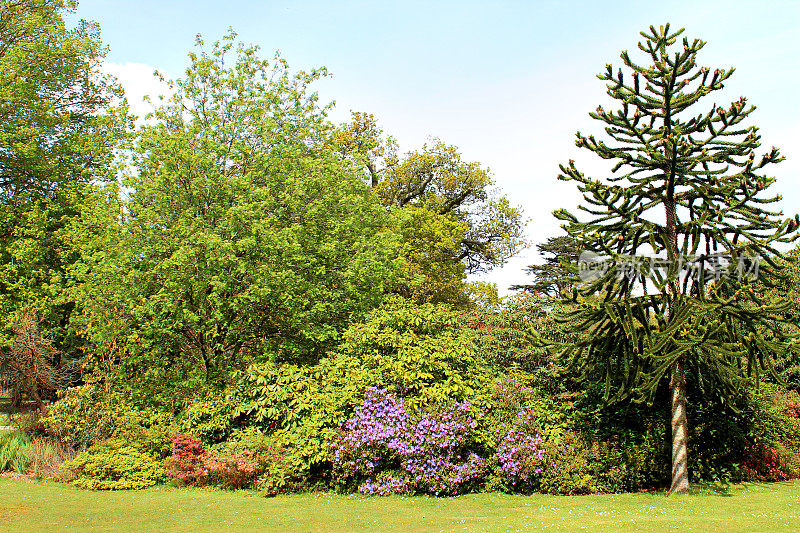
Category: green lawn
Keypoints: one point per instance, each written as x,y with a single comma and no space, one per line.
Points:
30,506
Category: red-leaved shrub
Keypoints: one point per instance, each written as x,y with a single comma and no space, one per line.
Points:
768,463
194,465
188,461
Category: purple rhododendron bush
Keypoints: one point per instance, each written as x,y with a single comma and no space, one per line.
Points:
386,450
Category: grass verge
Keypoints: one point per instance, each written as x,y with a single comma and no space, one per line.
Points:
30,506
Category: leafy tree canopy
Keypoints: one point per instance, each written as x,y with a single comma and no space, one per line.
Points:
245,238
436,178
58,131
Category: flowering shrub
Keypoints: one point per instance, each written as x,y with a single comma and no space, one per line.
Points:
792,406
393,452
771,463
765,463
520,453
188,461
192,464
233,471
773,449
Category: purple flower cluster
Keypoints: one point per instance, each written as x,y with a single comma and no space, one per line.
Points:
387,484
520,452
509,393
404,453
379,424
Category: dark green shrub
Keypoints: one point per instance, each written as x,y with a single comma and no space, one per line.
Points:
576,465
635,460
569,466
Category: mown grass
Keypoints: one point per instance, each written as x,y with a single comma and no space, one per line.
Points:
32,506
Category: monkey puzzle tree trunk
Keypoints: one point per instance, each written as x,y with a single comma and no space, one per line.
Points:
677,378
680,426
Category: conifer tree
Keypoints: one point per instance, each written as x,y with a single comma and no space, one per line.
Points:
683,224
553,277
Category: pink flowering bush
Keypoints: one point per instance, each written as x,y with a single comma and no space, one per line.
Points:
766,463
192,464
791,403
774,450
188,461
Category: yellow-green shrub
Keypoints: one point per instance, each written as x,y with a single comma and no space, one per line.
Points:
115,465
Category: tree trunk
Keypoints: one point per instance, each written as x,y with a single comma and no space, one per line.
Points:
677,378
680,428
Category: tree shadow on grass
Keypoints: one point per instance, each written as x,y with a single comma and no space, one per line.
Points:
705,488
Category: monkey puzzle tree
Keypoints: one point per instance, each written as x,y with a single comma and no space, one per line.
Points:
688,190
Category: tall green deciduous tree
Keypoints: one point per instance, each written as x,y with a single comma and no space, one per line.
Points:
58,131
476,227
687,188
245,236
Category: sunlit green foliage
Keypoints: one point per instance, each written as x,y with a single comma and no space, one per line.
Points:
458,223
58,133
245,238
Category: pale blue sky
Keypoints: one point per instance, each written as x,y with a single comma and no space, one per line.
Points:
507,82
